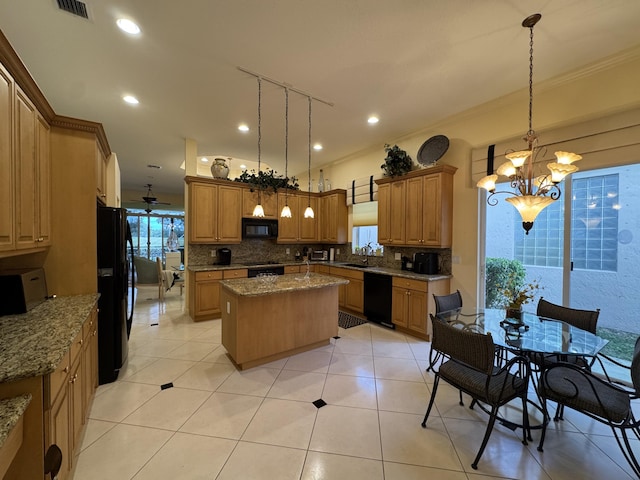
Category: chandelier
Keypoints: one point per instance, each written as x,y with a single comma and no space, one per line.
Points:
531,193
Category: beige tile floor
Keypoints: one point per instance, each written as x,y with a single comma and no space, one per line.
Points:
220,423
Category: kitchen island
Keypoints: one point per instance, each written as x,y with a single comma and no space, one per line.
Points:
265,321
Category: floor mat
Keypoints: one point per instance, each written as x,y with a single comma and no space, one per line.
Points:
346,320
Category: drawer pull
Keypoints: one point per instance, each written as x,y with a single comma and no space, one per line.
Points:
73,380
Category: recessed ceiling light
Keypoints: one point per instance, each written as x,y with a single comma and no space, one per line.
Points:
204,160
317,147
130,99
128,26
243,166
243,127
373,119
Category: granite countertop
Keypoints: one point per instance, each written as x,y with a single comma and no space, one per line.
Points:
11,409
252,287
383,270
35,342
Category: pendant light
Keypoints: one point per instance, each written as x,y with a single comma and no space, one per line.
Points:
258,211
286,211
531,194
308,213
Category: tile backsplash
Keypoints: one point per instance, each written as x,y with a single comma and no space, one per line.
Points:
252,251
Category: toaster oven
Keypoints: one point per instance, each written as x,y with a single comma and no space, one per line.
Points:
319,255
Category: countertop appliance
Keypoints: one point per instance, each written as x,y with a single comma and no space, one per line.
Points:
426,262
224,256
115,276
377,298
254,270
321,255
22,289
259,228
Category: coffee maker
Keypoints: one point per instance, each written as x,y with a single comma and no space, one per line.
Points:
427,263
224,256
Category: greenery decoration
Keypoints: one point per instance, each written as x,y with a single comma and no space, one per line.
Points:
505,284
265,180
397,163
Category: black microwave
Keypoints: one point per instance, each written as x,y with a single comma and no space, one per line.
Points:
259,228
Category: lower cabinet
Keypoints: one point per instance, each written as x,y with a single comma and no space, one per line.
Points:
411,302
204,293
70,392
351,295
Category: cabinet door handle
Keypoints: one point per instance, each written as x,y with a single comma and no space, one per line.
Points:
66,369
73,380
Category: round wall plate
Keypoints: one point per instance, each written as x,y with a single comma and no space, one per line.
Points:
432,150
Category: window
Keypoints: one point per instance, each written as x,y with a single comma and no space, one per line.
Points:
594,244
151,231
365,228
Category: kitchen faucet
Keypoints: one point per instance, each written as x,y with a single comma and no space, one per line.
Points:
365,251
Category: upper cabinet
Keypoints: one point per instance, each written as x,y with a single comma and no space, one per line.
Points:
391,217
7,231
425,200
215,211
333,217
101,177
29,174
268,200
297,228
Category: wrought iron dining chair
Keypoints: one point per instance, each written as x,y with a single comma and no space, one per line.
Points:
583,319
445,303
469,367
606,402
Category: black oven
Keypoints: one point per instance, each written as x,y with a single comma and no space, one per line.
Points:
259,228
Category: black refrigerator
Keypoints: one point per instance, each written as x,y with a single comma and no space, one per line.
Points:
116,288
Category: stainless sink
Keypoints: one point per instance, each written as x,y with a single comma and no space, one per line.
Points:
357,265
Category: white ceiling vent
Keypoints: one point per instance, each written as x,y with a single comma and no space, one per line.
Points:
75,7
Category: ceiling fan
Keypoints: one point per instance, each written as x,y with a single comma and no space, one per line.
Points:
149,199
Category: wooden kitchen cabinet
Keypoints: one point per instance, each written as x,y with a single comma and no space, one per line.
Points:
298,229
215,212
333,217
391,217
204,295
7,201
268,199
411,302
429,210
32,177
101,177
417,209
351,295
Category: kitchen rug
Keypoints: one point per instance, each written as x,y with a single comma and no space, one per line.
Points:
346,320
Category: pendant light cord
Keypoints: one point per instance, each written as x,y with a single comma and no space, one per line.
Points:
286,143
259,131
309,151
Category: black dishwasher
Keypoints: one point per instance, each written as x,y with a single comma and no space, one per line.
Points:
377,298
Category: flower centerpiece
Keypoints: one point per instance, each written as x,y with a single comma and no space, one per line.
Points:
516,294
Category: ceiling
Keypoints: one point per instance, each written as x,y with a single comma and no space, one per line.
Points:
411,62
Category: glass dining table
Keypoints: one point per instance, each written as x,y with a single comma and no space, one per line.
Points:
529,334
532,336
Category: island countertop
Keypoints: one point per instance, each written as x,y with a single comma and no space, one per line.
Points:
251,287
35,342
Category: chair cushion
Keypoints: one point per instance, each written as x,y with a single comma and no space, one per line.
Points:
585,393
500,390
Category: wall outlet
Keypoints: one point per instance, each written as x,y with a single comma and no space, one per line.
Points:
213,253
228,307
288,251
398,256
456,259
338,251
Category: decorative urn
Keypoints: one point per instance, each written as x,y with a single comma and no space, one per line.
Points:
219,168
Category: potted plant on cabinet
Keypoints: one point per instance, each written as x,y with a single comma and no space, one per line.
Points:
397,163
